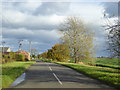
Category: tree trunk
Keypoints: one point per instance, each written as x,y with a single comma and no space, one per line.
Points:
75,55
75,59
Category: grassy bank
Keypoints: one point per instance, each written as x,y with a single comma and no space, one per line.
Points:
108,62
105,74
12,70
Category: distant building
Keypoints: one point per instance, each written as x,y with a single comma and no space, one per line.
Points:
5,49
27,54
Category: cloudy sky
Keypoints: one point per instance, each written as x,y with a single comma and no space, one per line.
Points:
38,21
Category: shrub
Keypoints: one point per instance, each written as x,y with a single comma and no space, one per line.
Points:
3,61
3,56
20,57
7,58
12,55
58,52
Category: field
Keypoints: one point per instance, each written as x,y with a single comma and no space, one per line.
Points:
105,62
108,62
12,70
106,70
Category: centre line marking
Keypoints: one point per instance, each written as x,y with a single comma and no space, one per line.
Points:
50,68
57,78
46,64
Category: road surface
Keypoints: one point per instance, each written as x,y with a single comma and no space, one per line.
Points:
51,75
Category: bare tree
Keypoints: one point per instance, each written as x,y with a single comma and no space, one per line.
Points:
114,38
34,51
77,37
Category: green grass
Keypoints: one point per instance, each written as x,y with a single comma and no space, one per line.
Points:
108,62
105,74
106,70
12,70
105,62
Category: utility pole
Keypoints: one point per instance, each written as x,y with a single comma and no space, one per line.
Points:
3,44
20,44
30,47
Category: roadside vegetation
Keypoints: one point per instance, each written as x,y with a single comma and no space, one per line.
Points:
113,36
109,75
12,56
103,72
76,50
58,52
13,65
76,42
12,70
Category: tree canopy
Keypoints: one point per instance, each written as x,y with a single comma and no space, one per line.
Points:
78,37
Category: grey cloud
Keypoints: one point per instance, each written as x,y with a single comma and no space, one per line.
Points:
36,26
119,10
35,35
111,8
42,40
30,21
24,7
38,29
13,44
48,8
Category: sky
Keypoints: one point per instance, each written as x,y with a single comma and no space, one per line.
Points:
38,21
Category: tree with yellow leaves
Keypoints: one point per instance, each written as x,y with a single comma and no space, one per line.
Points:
78,37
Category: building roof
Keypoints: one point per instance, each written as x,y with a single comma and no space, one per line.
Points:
23,51
5,49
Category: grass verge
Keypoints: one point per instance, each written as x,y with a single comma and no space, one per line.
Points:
105,74
12,70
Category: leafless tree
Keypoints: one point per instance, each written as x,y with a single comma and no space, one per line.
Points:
114,38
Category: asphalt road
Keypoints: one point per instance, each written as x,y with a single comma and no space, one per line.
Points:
50,75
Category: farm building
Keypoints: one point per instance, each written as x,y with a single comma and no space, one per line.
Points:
5,49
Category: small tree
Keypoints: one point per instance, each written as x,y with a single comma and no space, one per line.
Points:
33,56
58,52
34,51
44,55
38,56
78,37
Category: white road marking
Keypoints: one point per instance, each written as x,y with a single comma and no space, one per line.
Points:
46,64
57,78
50,68
54,74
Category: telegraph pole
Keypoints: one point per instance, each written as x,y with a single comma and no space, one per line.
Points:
3,44
30,47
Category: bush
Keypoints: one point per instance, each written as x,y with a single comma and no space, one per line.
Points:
3,56
12,55
3,61
8,58
20,57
